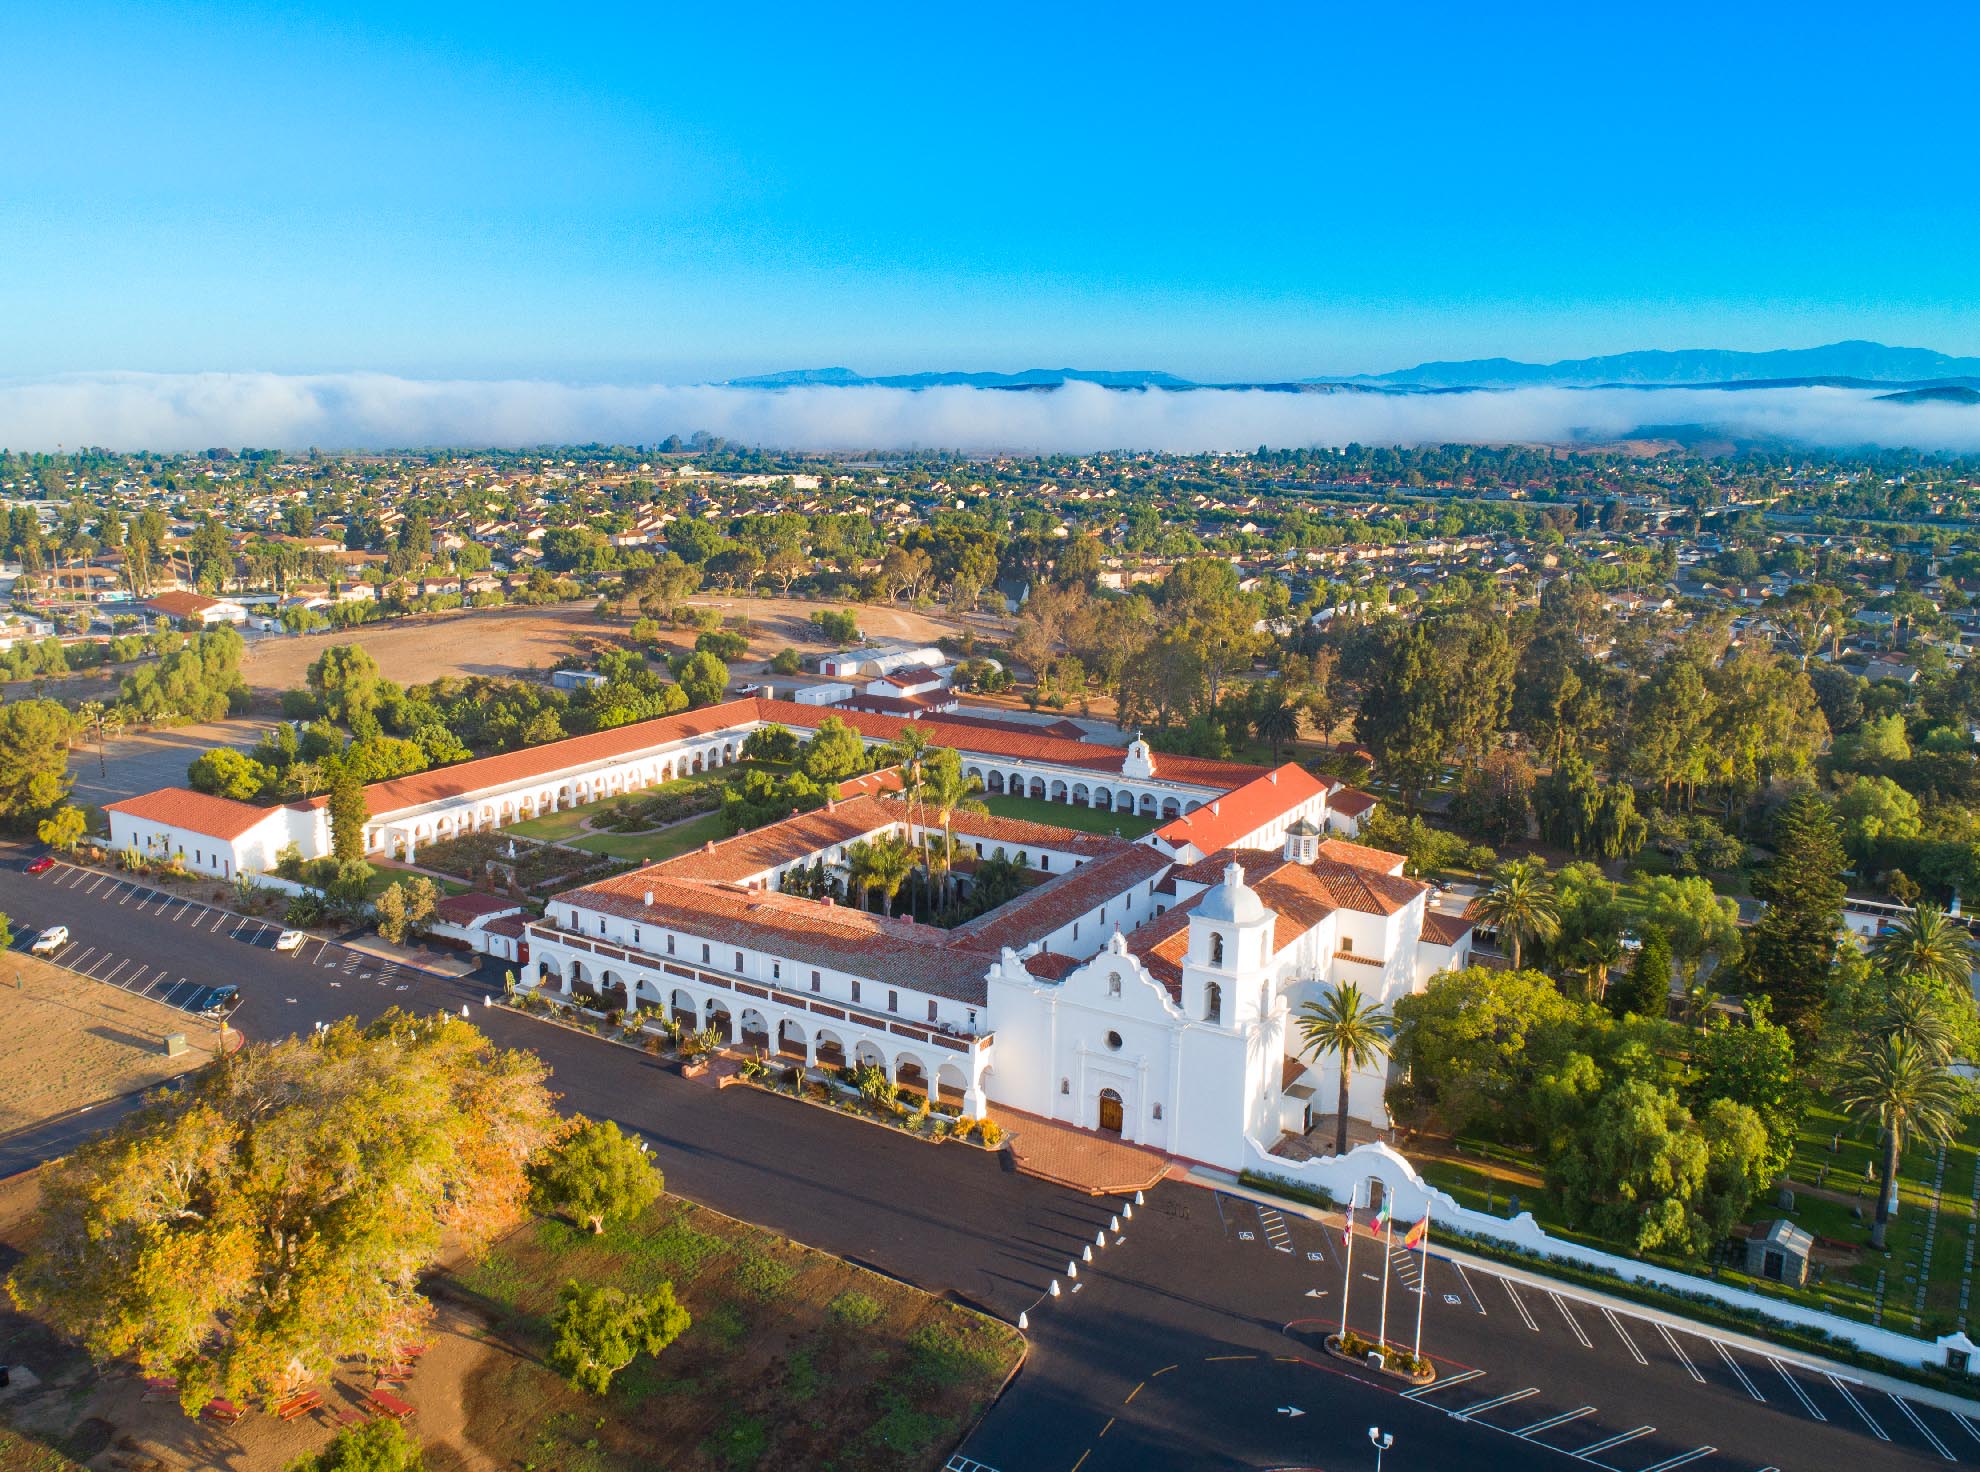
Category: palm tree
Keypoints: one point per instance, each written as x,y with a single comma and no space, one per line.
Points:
1347,1024
1520,905
950,792
1598,954
860,868
1277,722
1916,1010
1928,943
1901,1084
890,861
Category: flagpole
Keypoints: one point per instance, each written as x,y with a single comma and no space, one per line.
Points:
1422,1282
1347,1278
1388,1238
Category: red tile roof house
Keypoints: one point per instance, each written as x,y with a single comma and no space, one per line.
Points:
195,609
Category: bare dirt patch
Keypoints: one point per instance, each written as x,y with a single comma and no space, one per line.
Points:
67,1041
509,641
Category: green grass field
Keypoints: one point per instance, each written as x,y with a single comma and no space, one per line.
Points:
795,1358
1489,1174
1068,815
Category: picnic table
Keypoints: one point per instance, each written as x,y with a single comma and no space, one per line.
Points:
299,1404
390,1405
225,1412
160,1387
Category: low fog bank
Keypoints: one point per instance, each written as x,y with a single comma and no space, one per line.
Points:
143,411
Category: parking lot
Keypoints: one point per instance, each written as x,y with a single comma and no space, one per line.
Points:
1614,1389
105,946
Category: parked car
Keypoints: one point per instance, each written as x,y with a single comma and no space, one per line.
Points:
290,940
50,940
41,865
214,1001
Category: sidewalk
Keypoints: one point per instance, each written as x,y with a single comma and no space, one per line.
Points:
1537,1278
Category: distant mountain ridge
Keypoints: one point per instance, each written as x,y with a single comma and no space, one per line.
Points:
1838,365
1689,368
1029,378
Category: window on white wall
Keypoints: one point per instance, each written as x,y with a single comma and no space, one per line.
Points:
1113,983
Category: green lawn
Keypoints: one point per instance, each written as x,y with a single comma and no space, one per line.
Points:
794,1358
649,847
1068,815
1488,1174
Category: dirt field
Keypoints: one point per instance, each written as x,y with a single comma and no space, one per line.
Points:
66,1041
506,641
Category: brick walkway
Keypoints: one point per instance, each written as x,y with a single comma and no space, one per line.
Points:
1081,1159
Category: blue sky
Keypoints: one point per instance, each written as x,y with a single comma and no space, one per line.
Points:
1220,191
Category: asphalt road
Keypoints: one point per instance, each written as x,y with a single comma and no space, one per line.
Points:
1190,1339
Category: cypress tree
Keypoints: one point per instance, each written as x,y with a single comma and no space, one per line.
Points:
1646,992
348,814
1792,949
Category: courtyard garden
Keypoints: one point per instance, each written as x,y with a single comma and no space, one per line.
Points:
794,1358
1067,815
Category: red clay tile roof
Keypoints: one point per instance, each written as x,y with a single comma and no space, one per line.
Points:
1291,1071
555,756
1161,944
1443,929
1233,817
1349,802
1361,856
975,737
180,605
465,909
195,812
1052,966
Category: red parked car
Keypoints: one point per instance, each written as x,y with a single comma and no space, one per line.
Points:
41,865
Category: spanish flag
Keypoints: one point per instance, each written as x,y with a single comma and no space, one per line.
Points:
1415,1236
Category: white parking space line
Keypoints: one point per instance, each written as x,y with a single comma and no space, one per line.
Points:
1503,1400
1623,1334
1570,1318
1683,1358
1465,1278
1616,1440
1923,1430
1857,1406
127,898
99,880
1801,1395
1965,1425
80,961
1442,1383
1520,1306
111,974
1678,1461
1561,1419
1739,1372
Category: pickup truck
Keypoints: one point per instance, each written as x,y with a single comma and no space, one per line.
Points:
50,940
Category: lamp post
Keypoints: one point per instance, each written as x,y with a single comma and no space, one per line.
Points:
1381,1440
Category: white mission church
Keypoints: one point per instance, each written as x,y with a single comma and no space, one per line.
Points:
1145,989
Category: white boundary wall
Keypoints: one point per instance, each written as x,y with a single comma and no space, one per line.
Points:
1347,1177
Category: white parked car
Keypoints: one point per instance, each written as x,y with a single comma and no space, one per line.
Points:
50,940
290,940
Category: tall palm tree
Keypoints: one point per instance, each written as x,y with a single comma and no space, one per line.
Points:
1520,905
1348,1025
1598,954
890,861
1277,721
950,792
1927,943
1917,1010
1900,1084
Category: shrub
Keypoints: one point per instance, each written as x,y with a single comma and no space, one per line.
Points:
377,1446
993,1133
602,1330
854,1310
